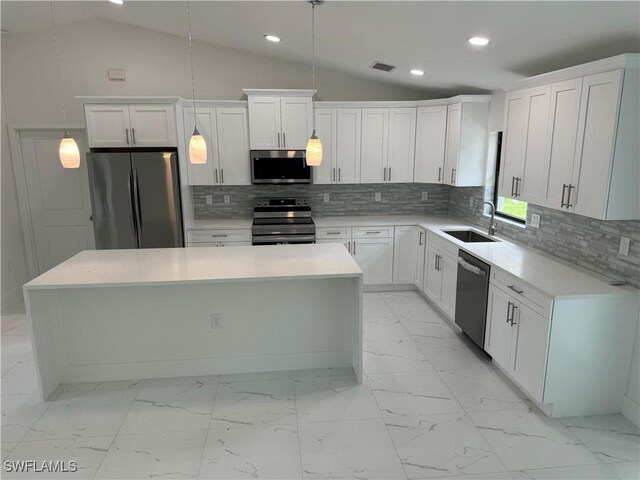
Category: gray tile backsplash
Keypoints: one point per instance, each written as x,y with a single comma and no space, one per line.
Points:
592,244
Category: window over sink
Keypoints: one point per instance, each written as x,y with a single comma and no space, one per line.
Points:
507,207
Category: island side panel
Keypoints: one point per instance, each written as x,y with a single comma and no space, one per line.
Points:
115,333
353,314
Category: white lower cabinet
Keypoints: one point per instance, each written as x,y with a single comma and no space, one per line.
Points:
421,250
440,278
375,258
219,238
404,254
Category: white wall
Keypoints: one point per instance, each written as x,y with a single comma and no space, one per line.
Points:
496,111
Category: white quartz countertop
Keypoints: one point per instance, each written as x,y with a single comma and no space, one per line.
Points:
100,268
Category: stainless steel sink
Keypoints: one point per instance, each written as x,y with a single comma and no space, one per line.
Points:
470,236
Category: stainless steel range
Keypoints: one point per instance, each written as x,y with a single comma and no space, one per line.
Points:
282,221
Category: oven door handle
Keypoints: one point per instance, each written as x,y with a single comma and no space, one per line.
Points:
282,238
472,268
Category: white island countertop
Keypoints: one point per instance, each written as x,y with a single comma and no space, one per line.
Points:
100,268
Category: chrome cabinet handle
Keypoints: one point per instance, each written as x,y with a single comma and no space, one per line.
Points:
136,199
219,236
569,196
420,238
439,173
222,175
513,180
333,175
354,247
216,170
517,290
339,175
284,140
389,173
126,131
133,135
509,305
372,232
278,139
453,174
349,246
384,174
564,188
518,187
333,233
513,314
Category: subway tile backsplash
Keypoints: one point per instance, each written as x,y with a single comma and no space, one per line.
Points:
590,243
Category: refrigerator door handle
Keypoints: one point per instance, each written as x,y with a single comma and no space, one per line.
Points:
134,227
136,199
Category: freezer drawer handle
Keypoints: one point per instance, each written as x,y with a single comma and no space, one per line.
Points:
517,290
472,268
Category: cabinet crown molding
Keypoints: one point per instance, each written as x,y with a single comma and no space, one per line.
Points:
254,92
130,99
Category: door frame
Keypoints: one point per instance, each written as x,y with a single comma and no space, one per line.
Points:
21,184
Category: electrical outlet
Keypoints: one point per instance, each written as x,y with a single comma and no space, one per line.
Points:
216,321
227,199
470,202
325,198
425,195
624,246
378,197
535,220
209,199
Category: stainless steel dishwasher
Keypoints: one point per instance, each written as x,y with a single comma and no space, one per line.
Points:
472,291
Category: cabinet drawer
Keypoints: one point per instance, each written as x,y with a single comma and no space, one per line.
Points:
327,233
537,300
373,232
203,236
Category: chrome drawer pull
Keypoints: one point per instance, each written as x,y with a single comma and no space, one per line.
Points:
517,290
333,233
373,232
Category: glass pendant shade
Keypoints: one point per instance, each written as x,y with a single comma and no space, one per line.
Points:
197,148
69,153
314,151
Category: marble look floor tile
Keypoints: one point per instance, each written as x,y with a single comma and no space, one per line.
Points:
323,372
170,409
358,449
268,402
334,398
626,470
612,438
258,452
154,455
424,331
92,414
400,294
20,380
479,476
526,439
86,452
181,381
14,348
453,354
580,472
19,413
394,357
7,448
256,377
385,330
409,394
410,307
478,390
437,445
103,386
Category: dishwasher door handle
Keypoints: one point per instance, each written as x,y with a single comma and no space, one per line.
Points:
472,268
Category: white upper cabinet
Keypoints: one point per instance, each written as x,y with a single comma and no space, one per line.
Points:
205,118
280,119
430,144
347,152
513,144
136,125
326,132
375,141
452,153
402,141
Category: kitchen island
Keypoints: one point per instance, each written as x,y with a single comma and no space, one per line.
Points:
128,314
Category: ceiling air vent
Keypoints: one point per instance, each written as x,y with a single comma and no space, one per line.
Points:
382,66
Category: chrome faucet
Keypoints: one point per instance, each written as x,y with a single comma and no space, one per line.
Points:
493,226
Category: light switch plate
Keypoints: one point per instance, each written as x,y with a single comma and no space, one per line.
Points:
325,198
227,199
535,220
209,199
425,195
378,197
624,246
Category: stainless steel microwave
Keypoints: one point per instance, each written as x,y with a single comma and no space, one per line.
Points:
279,166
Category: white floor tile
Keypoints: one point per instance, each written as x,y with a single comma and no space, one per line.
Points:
626,470
349,449
323,372
181,381
385,330
394,357
155,455
526,439
20,380
14,324
424,331
410,394
480,476
103,386
612,438
19,413
580,472
437,445
170,409
7,448
256,377
453,354
86,452
268,402
324,399
262,452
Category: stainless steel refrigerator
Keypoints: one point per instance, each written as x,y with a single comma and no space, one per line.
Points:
135,196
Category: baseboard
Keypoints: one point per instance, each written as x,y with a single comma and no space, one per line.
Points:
631,410
390,288
12,299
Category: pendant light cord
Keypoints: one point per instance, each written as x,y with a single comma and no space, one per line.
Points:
193,84
57,55
313,57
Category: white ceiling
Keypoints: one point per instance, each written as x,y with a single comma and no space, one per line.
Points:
528,38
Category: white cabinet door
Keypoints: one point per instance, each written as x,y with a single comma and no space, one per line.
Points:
421,247
375,137
402,141
534,173
264,123
454,129
233,146
449,270
108,125
206,119
297,122
430,144
346,243
326,131
153,125
375,258
529,351
561,140
596,138
499,332
432,275
404,255
349,130
513,144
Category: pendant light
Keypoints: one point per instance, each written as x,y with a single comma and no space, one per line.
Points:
314,146
68,151
197,144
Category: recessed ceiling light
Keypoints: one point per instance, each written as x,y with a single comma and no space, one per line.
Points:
272,38
417,72
117,2
479,41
